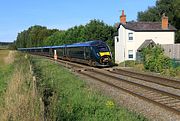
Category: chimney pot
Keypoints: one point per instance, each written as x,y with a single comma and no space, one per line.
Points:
122,12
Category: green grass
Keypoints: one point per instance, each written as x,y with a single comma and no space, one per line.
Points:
5,73
18,98
69,98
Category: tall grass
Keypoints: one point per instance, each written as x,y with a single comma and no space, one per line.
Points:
21,103
6,70
67,97
3,55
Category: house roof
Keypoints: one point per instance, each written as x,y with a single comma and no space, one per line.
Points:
146,26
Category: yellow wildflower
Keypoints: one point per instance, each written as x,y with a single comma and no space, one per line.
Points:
110,104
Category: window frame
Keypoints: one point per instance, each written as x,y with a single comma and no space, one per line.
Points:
130,54
130,36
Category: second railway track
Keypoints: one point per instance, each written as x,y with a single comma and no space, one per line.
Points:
149,78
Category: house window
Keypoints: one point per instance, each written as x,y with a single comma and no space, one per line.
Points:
130,54
130,36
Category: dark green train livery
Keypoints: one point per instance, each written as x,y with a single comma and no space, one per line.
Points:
93,53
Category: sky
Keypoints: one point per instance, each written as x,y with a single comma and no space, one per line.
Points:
19,15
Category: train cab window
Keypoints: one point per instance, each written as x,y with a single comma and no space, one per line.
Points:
102,48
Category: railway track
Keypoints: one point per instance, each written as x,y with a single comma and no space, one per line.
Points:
149,78
154,95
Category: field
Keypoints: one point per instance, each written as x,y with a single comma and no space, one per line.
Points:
36,89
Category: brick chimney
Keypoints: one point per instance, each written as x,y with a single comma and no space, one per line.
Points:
123,18
164,22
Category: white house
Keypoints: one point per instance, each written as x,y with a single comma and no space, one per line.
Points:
133,36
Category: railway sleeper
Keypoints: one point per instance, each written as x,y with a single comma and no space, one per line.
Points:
166,100
173,102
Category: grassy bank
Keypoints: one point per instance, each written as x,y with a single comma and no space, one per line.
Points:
20,101
66,97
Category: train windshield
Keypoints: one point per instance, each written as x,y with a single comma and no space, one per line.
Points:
102,48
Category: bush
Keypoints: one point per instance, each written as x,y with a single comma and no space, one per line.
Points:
155,60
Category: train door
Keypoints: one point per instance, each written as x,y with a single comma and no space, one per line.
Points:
87,53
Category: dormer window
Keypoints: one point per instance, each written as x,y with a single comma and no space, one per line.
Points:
130,35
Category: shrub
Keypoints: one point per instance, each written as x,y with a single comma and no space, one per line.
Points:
155,60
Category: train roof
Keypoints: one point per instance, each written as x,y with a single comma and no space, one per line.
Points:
85,44
81,44
45,47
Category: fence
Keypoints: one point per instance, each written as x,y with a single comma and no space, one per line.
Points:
172,50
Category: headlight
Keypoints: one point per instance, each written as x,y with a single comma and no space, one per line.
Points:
97,54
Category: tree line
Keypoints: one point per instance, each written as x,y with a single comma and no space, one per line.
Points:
170,7
42,36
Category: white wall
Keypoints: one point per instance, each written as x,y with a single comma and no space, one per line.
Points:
120,45
124,44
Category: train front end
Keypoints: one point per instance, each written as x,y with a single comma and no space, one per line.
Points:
103,55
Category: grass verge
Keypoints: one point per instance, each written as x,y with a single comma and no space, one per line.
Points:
20,102
5,73
66,97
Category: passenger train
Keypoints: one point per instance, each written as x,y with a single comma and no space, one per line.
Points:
94,53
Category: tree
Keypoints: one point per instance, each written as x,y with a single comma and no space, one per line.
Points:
98,30
94,30
33,37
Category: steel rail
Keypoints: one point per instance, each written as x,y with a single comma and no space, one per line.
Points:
149,78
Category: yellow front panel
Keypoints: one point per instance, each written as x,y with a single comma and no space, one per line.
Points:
104,53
